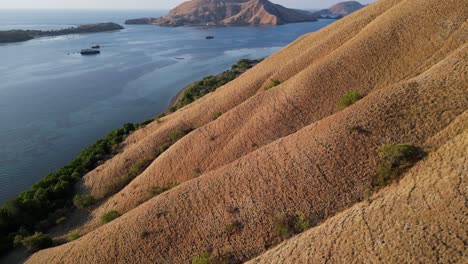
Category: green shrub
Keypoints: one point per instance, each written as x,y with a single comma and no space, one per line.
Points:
73,236
349,99
273,83
217,115
234,227
157,190
204,258
37,242
144,234
109,216
196,171
176,135
394,160
287,225
301,223
164,147
61,220
83,200
145,123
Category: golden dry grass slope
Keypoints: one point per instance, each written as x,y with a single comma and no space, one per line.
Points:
289,149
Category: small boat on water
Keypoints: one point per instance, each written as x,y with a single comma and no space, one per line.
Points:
90,51
209,37
96,47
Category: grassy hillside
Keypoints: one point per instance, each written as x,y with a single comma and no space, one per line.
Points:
355,111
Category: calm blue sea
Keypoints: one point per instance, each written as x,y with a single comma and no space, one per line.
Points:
54,102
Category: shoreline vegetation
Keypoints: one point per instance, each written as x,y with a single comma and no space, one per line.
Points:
12,36
48,202
208,84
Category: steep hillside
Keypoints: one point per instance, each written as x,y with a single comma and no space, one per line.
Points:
423,214
282,148
341,9
229,12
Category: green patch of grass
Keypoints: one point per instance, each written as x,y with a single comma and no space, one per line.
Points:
73,236
61,220
176,135
204,258
83,200
109,216
273,83
217,115
288,225
157,190
394,160
37,242
349,99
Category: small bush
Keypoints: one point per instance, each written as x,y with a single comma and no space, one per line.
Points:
61,220
176,135
37,242
157,190
145,123
109,216
349,99
288,225
273,83
301,223
83,200
196,171
394,160
144,234
73,236
204,258
234,227
217,115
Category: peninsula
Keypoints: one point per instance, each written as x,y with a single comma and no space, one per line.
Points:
229,12
11,36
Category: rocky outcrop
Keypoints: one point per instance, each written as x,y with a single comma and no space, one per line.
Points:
228,12
11,36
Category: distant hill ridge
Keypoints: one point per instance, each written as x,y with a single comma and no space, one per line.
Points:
11,36
229,12
341,9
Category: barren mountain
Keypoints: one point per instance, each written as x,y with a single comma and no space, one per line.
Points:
341,9
228,12
285,155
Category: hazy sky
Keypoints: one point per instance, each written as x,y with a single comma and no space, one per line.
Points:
143,4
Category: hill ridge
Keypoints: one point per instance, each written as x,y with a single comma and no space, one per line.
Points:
284,149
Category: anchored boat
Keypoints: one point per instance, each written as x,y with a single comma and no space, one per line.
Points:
90,51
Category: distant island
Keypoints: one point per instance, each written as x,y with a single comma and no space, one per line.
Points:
11,36
341,9
229,12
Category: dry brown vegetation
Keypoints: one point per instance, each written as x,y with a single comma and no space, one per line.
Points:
289,151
